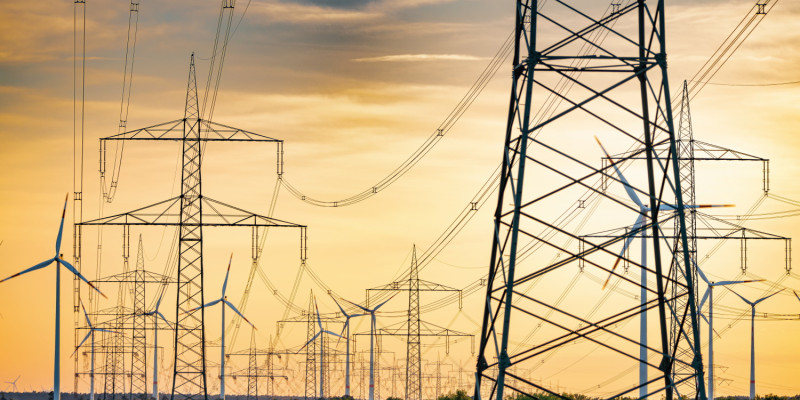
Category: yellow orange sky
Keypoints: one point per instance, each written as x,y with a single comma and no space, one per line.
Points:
353,89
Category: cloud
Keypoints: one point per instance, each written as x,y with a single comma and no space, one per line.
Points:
311,14
421,57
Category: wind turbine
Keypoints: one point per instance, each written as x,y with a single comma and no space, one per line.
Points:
639,225
59,262
92,330
321,350
752,338
709,295
155,313
225,302
371,313
14,382
347,353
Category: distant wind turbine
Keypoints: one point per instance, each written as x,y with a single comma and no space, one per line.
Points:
752,338
14,382
225,302
371,313
156,314
709,295
639,225
92,330
347,351
59,262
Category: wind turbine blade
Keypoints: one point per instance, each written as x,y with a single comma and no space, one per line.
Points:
205,305
61,227
359,306
628,187
105,330
169,324
33,268
705,297
637,224
764,298
78,274
85,314
158,303
225,285
237,312
340,307
319,320
331,333
700,272
346,322
381,305
81,343
737,294
309,342
723,283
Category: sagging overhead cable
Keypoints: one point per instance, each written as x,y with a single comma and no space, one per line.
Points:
458,111
723,53
127,82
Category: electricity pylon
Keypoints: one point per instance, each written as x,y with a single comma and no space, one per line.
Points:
254,372
691,150
131,320
579,73
190,212
414,328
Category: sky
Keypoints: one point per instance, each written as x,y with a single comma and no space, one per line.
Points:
353,88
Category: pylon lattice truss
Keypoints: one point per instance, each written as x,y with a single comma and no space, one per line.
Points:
190,212
602,74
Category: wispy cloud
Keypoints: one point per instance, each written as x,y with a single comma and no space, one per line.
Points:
309,14
421,57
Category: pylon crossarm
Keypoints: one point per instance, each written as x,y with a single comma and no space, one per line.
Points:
167,213
173,131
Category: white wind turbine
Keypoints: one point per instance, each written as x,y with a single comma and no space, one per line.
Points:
321,350
92,330
709,295
639,227
225,302
59,262
752,338
371,313
156,314
347,338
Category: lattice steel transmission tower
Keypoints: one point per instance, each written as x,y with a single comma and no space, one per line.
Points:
190,212
414,328
691,150
582,74
311,352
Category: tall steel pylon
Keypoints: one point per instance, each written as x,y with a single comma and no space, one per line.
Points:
193,211
414,345
691,150
311,352
580,73
414,328
190,359
685,146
